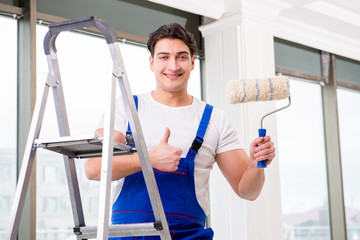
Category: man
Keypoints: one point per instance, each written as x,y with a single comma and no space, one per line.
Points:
182,168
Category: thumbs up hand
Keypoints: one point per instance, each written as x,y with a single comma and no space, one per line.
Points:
165,157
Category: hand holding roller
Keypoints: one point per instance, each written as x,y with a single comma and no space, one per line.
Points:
274,88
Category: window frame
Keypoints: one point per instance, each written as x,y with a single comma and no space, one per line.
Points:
329,82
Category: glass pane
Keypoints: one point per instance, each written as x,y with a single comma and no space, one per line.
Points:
134,17
301,155
347,70
296,57
349,118
85,67
8,102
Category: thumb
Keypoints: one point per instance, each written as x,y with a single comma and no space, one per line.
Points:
258,141
166,136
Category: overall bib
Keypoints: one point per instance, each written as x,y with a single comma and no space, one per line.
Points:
185,216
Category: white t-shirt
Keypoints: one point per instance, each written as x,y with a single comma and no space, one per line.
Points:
183,123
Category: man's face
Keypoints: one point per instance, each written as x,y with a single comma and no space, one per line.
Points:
172,65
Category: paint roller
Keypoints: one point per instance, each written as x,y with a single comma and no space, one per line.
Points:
273,88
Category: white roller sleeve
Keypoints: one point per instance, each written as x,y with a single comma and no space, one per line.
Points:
273,88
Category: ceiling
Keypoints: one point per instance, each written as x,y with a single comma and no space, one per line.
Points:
340,16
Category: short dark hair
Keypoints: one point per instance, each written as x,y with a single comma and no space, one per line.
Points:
172,31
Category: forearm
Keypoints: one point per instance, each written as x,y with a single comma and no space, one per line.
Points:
122,166
251,183
163,157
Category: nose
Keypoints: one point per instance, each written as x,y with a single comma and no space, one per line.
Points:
173,65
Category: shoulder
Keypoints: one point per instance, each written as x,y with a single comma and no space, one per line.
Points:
143,97
221,126
145,101
217,115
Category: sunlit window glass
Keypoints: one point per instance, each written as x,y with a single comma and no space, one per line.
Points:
301,155
8,102
85,68
349,118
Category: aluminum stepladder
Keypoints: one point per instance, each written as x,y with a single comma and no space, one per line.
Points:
84,147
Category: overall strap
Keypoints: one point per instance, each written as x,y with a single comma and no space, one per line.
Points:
129,138
136,104
198,141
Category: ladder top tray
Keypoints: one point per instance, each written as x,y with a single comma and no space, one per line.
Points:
87,146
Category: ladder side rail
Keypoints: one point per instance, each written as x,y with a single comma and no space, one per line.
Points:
27,165
64,130
143,154
105,181
106,162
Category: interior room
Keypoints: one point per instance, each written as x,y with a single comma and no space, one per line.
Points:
311,187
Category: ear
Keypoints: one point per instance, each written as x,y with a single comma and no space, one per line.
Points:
151,63
192,63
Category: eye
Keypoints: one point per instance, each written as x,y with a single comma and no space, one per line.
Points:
183,57
163,57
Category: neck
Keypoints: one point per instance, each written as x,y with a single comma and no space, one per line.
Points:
172,99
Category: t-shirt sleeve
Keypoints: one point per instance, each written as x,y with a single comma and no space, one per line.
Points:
120,120
228,135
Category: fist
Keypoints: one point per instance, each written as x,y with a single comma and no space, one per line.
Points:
165,157
262,148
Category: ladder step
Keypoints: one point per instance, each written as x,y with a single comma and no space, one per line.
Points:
87,146
121,230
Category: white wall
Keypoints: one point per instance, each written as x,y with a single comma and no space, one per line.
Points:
239,49
241,46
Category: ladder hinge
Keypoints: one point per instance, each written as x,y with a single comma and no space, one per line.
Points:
77,231
117,72
158,225
51,80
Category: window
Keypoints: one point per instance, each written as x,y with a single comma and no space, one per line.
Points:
301,155
85,67
349,118
347,72
8,104
50,205
5,172
296,57
49,174
4,204
93,204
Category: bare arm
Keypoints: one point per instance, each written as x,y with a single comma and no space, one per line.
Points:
241,171
163,157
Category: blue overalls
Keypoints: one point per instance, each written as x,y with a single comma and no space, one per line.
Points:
185,216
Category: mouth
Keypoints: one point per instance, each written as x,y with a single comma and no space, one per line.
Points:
173,75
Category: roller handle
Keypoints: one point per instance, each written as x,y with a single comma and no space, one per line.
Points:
263,163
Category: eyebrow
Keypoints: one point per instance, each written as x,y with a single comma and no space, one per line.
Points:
178,53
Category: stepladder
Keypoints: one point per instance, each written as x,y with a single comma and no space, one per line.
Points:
77,147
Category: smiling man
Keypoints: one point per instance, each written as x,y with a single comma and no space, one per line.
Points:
172,64
185,137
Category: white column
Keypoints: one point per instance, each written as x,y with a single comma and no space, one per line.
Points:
240,48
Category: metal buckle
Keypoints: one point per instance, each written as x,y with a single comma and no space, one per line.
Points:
198,141
129,139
